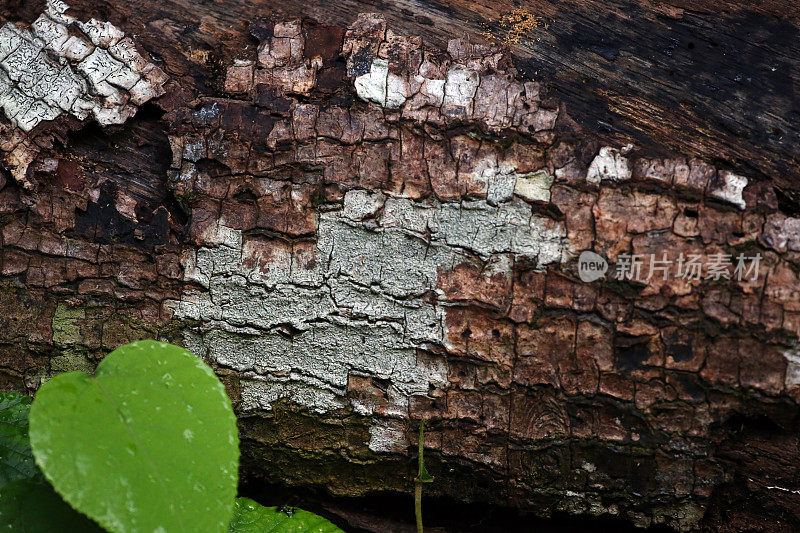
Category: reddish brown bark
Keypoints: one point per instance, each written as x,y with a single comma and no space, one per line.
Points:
660,401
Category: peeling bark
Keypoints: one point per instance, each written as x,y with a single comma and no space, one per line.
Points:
360,230
60,65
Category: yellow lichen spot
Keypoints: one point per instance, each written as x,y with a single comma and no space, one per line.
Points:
513,27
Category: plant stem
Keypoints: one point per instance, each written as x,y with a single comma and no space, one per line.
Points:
419,481
418,504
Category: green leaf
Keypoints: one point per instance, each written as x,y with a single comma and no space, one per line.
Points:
251,517
147,444
28,506
16,458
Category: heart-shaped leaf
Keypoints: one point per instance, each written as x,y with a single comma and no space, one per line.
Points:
28,506
16,458
147,444
250,517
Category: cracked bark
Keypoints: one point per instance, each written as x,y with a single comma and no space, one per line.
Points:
361,229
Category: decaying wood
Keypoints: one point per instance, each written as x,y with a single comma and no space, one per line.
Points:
361,229
700,78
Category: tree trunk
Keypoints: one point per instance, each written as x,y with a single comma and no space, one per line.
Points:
361,229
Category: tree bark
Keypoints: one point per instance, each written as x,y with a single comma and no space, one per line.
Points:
361,229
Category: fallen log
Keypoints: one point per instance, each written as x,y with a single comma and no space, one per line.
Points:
580,271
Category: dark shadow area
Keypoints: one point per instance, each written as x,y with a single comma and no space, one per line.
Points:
394,513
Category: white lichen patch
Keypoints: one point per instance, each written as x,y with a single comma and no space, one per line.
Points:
301,330
459,90
481,229
609,164
381,86
454,96
469,83
64,66
387,436
792,378
729,188
431,89
501,181
782,233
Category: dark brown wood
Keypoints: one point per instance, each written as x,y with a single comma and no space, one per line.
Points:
713,79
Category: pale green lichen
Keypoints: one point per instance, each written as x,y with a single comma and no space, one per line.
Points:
534,186
66,330
70,360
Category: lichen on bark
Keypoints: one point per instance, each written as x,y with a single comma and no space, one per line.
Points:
360,232
62,66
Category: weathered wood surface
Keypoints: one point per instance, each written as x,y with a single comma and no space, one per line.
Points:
711,79
358,239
